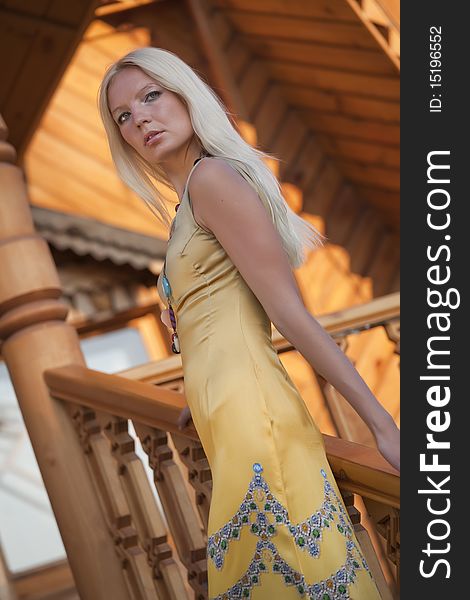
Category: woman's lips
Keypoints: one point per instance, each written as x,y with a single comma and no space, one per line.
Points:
155,138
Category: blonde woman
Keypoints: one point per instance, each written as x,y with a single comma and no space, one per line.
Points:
277,525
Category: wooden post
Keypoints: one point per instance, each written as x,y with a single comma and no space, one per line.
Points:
34,338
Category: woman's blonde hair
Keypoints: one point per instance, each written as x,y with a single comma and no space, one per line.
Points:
217,137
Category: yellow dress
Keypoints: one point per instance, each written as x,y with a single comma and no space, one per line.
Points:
278,528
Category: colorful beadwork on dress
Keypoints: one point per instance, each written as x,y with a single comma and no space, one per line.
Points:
334,587
307,536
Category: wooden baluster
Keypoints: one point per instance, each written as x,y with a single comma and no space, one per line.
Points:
129,506
387,524
35,338
366,546
179,509
194,458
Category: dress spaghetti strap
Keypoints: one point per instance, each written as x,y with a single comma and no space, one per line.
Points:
196,162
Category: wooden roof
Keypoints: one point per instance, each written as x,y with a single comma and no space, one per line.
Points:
339,79
324,71
37,41
100,241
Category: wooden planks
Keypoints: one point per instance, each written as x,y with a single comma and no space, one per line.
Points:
323,64
41,37
253,85
362,130
13,35
358,172
365,236
288,140
378,196
347,34
70,12
375,86
366,151
37,8
306,164
344,215
322,195
335,103
334,10
359,60
386,260
269,115
238,57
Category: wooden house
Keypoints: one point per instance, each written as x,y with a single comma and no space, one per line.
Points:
313,82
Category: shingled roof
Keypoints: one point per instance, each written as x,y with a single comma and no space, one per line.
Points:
101,241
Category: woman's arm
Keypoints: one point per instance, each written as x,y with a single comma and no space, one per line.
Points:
224,203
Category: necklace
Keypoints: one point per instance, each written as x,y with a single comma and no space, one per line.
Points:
175,343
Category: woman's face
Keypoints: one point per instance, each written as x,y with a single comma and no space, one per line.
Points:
139,105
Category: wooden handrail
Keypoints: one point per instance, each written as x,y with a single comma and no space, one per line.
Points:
150,405
363,470
359,469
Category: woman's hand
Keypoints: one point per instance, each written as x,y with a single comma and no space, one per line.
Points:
388,444
184,418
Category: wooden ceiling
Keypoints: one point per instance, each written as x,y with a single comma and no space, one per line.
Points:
306,74
337,66
37,41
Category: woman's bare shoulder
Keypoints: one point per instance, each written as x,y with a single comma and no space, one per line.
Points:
218,192
214,170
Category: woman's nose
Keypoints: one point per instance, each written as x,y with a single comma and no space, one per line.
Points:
140,119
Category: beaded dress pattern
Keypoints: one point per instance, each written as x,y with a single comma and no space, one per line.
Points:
278,527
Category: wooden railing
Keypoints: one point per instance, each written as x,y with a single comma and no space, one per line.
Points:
154,411
119,543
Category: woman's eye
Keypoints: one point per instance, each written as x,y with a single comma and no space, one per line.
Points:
152,92
119,119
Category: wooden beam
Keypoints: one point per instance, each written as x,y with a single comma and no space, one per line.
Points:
328,10
363,61
52,44
370,175
120,7
376,33
366,152
346,34
361,130
383,87
339,103
223,76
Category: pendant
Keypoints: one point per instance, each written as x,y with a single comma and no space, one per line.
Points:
166,286
171,313
165,318
175,345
